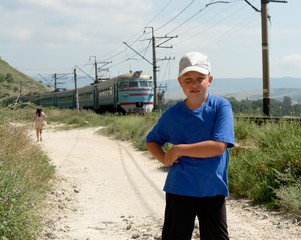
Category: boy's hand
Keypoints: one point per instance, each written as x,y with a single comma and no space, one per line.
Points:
171,156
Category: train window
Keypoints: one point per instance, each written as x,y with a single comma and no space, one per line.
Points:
143,83
123,85
133,84
150,83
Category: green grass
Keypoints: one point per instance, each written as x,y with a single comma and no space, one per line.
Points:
25,172
130,128
267,163
74,119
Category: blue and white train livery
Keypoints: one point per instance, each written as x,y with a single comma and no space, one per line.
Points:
131,92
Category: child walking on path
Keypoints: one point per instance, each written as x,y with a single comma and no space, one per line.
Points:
201,131
39,121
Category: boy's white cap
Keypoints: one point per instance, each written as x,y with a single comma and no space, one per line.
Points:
194,61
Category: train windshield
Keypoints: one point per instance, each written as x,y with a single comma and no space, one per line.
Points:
123,85
143,83
135,84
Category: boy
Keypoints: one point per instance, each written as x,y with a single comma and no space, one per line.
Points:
201,130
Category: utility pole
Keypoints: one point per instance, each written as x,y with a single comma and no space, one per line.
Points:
161,92
265,52
155,64
56,77
265,58
265,55
76,90
55,85
95,66
154,70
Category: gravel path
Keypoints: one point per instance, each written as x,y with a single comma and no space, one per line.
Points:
107,190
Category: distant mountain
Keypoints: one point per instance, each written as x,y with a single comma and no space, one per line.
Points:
242,88
12,82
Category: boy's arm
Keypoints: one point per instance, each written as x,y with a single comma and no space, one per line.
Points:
156,150
204,149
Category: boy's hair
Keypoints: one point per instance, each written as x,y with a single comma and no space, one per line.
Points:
194,61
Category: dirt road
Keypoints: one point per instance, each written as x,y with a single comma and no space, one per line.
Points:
106,190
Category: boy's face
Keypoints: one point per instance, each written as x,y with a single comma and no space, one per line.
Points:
195,84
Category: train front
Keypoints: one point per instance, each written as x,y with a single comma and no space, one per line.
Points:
135,92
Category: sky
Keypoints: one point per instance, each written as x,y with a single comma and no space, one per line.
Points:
45,37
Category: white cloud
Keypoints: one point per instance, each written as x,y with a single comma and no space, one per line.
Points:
292,62
288,65
292,59
59,17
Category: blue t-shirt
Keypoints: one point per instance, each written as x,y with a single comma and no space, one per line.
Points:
200,177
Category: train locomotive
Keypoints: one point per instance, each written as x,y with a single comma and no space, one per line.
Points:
131,92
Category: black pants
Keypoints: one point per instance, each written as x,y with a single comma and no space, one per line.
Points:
180,214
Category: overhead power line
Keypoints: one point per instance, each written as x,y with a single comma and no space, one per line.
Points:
175,16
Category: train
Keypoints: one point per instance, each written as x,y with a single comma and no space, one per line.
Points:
131,92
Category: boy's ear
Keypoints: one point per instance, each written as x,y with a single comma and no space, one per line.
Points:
210,80
180,82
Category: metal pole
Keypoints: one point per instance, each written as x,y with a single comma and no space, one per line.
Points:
96,77
154,71
55,85
76,90
265,58
95,66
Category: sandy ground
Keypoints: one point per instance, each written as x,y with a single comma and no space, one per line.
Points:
107,190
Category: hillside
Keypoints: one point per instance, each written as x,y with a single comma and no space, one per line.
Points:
12,82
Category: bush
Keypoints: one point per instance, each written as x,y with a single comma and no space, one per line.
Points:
289,197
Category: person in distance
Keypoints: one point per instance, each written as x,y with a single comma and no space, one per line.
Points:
201,132
39,121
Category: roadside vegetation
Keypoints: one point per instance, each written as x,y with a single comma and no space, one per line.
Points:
265,165
25,179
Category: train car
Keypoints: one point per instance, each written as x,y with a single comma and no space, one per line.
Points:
86,97
63,99
128,93
46,100
106,92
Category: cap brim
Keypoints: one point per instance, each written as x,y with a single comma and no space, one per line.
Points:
195,69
